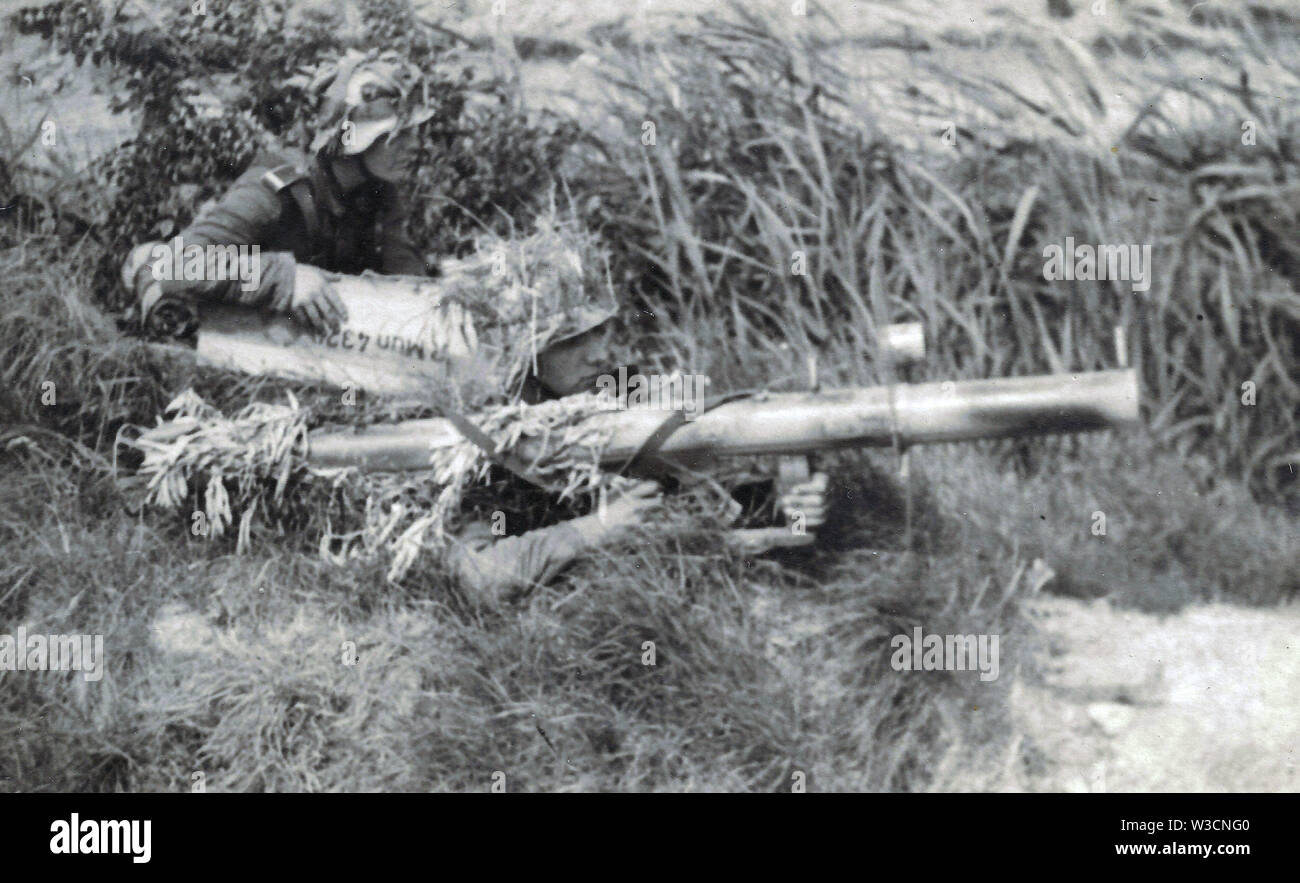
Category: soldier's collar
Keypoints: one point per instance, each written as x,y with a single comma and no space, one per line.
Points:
337,201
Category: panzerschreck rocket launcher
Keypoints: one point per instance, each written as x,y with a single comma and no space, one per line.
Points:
799,423
401,339
899,415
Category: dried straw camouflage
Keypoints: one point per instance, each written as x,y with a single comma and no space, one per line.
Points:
517,297
524,295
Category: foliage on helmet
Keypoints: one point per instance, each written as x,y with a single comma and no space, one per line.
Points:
378,92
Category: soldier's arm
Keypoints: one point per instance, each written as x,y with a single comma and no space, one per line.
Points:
497,570
244,216
494,571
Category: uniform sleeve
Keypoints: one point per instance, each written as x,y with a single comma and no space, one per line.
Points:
397,254
246,215
497,569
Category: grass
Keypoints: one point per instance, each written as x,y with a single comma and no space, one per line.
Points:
761,670
233,665
758,672
773,207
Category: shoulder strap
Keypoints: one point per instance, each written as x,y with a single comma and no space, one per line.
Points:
287,177
646,459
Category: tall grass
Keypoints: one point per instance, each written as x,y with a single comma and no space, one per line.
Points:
768,155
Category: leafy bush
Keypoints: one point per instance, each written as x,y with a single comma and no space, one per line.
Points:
213,90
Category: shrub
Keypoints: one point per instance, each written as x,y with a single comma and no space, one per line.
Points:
212,91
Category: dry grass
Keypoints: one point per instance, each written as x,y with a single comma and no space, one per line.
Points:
255,462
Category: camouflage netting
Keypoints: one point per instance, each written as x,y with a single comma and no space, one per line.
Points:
257,460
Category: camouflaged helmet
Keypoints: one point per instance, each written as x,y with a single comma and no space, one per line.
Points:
366,96
580,320
526,295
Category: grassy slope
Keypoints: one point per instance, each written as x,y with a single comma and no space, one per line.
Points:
232,666
760,671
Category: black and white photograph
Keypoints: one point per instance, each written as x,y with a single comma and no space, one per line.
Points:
535,396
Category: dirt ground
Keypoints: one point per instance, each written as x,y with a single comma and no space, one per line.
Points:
1203,700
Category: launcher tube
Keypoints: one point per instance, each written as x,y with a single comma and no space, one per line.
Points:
795,423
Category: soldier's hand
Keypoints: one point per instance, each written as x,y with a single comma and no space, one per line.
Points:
809,499
631,505
315,304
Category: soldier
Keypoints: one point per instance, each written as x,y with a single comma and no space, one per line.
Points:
339,209
494,569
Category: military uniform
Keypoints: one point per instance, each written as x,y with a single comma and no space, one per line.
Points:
497,568
293,211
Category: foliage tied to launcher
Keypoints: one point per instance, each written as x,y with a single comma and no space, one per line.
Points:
212,92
